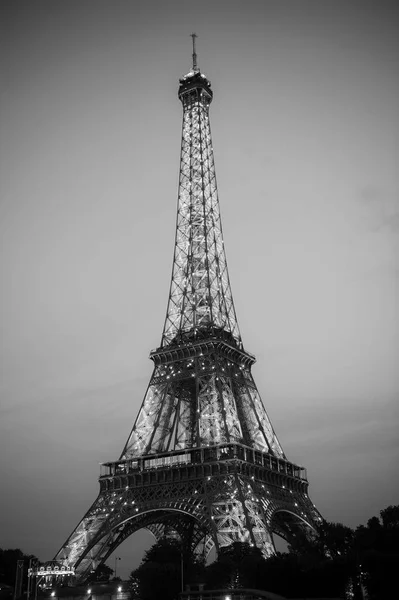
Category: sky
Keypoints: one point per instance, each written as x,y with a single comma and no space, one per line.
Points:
305,126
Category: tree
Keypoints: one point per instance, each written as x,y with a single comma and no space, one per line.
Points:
390,517
310,575
102,573
238,565
8,565
329,540
160,572
377,553
335,539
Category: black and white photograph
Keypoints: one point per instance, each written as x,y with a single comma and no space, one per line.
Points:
199,266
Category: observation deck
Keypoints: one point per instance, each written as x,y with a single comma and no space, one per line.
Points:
194,83
186,350
203,462
200,342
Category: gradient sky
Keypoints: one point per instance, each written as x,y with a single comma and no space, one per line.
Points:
305,125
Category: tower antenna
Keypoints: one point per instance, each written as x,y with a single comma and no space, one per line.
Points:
195,66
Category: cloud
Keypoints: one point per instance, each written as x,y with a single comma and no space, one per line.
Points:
355,425
381,210
390,222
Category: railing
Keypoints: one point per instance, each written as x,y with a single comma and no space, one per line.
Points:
204,454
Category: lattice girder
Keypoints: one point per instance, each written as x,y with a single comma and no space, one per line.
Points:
205,399
200,294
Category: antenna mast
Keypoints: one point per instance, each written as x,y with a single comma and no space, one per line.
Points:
195,66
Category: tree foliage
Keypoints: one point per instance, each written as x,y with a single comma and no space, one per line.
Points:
160,573
338,559
336,562
8,565
377,550
237,566
102,573
390,517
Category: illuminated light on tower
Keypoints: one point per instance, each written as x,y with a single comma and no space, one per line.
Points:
202,463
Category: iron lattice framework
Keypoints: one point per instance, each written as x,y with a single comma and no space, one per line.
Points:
202,460
200,295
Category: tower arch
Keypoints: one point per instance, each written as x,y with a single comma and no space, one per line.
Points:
289,525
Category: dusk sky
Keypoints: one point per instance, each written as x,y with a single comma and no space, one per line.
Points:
305,126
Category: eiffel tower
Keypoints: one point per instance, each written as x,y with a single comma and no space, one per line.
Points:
202,460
